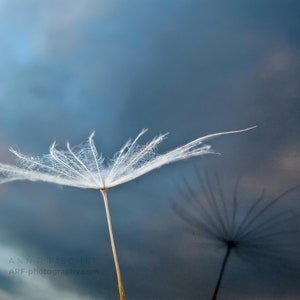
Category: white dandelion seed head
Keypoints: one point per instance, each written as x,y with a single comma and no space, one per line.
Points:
83,167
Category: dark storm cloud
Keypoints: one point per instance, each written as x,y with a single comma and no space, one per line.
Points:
213,71
226,66
188,67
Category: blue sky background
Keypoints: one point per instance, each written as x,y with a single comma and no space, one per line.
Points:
187,67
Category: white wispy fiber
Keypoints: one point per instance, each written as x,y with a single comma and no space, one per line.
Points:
81,166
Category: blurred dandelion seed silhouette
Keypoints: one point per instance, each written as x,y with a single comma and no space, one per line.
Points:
257,232
82,167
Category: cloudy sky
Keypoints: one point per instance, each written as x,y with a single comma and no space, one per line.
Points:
187,67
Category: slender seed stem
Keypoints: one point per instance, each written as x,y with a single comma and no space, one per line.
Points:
113,247
230,245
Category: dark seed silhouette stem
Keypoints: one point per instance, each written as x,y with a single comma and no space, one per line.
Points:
230,245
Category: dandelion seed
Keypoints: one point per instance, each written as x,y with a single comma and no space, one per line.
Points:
82,167
255,232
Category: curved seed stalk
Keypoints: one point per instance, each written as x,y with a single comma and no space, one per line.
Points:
113,246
